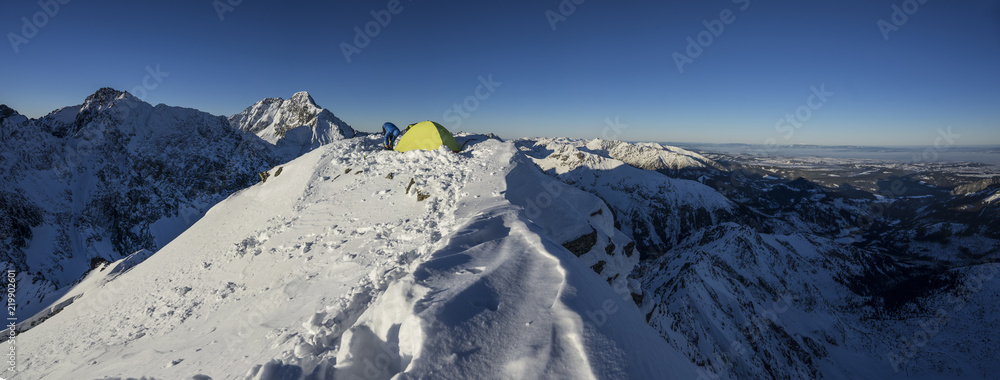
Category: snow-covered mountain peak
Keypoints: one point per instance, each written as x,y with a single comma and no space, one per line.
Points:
103,179
303,98
9,114
106,98
107,107
6,112
295,126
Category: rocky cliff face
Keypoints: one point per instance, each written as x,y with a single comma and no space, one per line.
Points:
976,186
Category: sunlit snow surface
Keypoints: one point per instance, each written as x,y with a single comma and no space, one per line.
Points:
354,262
333,270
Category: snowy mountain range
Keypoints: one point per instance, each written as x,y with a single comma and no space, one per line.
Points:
98,181
531,258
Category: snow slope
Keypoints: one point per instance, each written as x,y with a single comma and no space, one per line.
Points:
114,175
745,304
354,262
101,180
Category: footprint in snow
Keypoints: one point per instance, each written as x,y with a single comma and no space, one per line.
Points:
475,270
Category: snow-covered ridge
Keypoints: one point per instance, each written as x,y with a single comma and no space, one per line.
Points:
653,156
296,125
648,155
513,260
339,267
655,210
993,198
976,186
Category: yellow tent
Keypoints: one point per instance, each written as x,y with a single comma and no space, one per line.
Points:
426,135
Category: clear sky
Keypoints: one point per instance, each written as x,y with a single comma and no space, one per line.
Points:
605,60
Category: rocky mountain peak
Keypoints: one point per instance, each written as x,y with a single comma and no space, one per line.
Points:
303,98
106,98
6,112
273,118
104,95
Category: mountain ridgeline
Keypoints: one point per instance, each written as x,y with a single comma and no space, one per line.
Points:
98,181
442,264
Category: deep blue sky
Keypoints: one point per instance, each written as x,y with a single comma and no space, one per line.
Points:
608,59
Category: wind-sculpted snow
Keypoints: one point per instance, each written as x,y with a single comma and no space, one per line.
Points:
338,268
294,126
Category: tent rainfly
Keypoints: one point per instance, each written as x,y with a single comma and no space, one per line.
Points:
426,135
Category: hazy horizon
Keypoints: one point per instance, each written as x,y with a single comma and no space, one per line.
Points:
683,144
